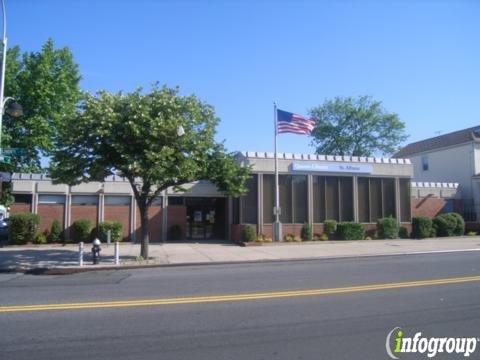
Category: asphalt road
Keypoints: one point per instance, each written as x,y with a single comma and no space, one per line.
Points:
350,324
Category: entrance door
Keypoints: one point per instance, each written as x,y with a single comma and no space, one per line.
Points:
205,218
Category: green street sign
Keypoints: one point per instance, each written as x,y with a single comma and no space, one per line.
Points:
14,151
5,159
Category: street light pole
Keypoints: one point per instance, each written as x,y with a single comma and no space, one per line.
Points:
4,64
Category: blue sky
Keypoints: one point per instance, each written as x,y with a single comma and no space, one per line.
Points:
420,58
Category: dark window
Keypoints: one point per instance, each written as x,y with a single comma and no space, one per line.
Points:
249,204
236,210
176,200
376,199
23,198
405,207
424,162
84,200
363,200
332,198
318,199
388,194
268,198
300,198
346,198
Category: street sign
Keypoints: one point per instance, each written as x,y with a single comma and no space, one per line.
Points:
5,159
14,151
5,176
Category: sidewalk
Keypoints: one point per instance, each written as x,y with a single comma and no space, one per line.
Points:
58,256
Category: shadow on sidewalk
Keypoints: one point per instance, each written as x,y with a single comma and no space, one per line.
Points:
48,258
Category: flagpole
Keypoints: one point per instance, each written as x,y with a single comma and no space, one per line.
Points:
277,227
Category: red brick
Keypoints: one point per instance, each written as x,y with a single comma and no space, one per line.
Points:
48,213
119,213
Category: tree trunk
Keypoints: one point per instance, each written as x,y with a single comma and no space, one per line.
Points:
144,230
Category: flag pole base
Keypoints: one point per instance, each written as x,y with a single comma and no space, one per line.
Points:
277,231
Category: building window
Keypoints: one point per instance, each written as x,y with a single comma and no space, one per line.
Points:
293,198
51,199
249,204
84,200
23,198
425,163
176,200
117,200
405,206
332,198
376,199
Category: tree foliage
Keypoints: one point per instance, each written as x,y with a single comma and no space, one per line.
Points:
135,135
358,127
46,84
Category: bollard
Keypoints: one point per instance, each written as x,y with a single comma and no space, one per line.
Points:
117,253
109,237
80,253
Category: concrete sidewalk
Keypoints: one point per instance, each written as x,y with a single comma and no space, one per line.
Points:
58,256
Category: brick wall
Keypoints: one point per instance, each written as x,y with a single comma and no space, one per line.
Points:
155,224
16,208
427,206
89,212
177,215
119,213
50,212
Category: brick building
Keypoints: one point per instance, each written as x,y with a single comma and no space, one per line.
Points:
313,188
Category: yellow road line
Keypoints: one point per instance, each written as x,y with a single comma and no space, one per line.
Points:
237,297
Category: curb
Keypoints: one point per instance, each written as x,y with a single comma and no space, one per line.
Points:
76,270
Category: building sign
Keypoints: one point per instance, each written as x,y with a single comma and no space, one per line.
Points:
332,167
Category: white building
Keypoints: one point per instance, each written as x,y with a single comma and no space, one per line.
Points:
453,157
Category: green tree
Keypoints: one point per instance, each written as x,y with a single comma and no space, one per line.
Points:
358,127
46,84
136,136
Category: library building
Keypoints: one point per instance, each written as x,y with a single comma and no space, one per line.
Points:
312,188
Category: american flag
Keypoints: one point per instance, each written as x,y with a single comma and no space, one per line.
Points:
292,123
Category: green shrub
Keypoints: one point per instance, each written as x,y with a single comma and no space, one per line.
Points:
248,233
329,227
175,232
41,239
56,232
433,232
449,224
350,231
81,231
403,233
460,227
115,228
472,233
368,238
260,238
421,227
324,237
387,228
23,228
306,232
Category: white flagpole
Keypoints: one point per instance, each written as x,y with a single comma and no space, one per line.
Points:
277,227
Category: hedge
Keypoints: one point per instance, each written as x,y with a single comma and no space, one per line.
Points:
329,227
23,228
449,224
81,230
421,227
350,231
248,233
114,226
56,232
306,232
387,228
